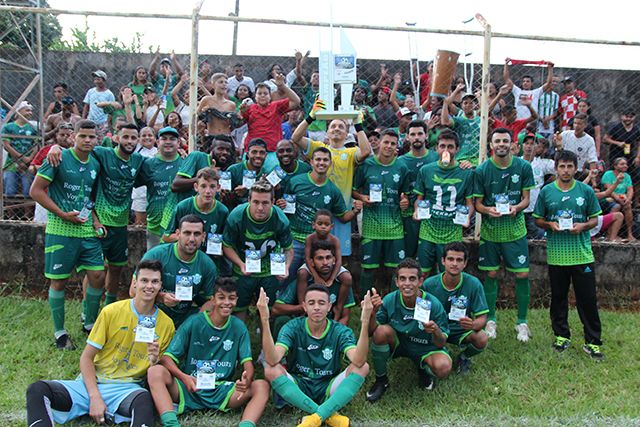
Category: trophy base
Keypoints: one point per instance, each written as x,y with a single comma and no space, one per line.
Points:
330,115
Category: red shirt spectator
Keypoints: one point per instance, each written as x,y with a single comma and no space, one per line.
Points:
266,122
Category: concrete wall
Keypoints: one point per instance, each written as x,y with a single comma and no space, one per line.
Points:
617,265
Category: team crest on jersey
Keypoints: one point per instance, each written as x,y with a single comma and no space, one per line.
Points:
327,199
93,174
327,353
332,299
343,156
133,171
515,178
227,344
396,177
420,326
401,254
580,201
213,228
197,278
522,259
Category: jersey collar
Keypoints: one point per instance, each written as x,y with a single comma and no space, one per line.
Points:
424,294
75,156
324,334
501,168
573,185
195,206
258,222
445,287
225,326
177,255
135,312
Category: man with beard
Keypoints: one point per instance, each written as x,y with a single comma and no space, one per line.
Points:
188,274
568,209
501,189
245,174
623,139
417,157
288,166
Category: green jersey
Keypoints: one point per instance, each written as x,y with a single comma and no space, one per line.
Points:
410,333
382,220
214,220
198,345
309,198
300,169
115,182
157,174
311,357
469,131
289,295
238,172
200,272
490,181
21,145
466,299
413,165
195,161
70,186
242,233
579,202
445,188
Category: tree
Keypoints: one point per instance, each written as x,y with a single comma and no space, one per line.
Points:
50,27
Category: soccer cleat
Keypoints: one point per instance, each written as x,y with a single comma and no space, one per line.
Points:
337,420
593,351
523,332
561,344
491,329
425,381
312,420
378,389
63,342
464,364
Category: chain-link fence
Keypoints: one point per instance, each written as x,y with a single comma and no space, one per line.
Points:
384,89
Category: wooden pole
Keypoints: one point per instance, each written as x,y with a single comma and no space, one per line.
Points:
193,78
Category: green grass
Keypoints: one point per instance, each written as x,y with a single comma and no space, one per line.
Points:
510,384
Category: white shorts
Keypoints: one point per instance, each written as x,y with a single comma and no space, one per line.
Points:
139,199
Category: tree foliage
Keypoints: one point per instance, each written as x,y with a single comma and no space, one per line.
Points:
51,29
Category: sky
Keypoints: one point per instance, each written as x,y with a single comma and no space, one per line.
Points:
542,17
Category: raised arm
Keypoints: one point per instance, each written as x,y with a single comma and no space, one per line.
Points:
506,75
397,79
548,84
272,354
364,147
358,355
294,100
176,63
504,91
154,64
298,137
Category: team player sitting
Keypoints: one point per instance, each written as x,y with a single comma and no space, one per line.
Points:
128,337
409,323
315,344
197,369
462,297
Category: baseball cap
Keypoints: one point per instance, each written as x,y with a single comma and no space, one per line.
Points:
168,130
165,60
257,142
404,111
67,100
567,79
23,105
100,73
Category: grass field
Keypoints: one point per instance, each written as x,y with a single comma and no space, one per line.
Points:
510,384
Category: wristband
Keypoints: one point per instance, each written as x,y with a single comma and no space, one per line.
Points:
358,127
310,120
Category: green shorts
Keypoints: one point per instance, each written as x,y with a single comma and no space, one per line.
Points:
411,232
218,398
115,246
318,389
249,287
514,254
458,337
62,253
401,350
387,252
430,255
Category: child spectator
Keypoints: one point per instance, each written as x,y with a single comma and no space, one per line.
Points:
322,226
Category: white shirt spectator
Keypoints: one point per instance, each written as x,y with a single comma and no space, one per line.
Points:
533,94
93,96
583,147
541,167
233,83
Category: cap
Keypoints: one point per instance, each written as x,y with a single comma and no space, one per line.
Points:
629,112
165,60
529,135
567,79
100,73
168,130
67,100
385,89
149,88
23,105
257,142
404,111
373,133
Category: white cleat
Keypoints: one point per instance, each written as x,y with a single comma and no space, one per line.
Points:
523,332
490,329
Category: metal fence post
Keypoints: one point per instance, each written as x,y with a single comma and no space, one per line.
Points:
193,80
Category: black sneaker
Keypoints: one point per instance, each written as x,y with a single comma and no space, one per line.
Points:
425,381
593,351
63,342
561,344
464,364
378,389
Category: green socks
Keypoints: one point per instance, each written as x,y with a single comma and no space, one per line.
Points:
246,423
341,396
471,351
56,303
491,293
91,306
381,355
289,391
169,419
366,280
522,298
109,298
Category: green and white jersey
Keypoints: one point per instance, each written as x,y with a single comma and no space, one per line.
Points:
382,220
242,233
414,164
468,295
301,169
200,272
237,173
469,132
198,344
214,220
315,358
309,198
195,161
492,180
21,145
158,174
445,188
70,186
289,295
563,247
410,333
115,182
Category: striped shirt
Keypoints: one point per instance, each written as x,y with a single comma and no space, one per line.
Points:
547,105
